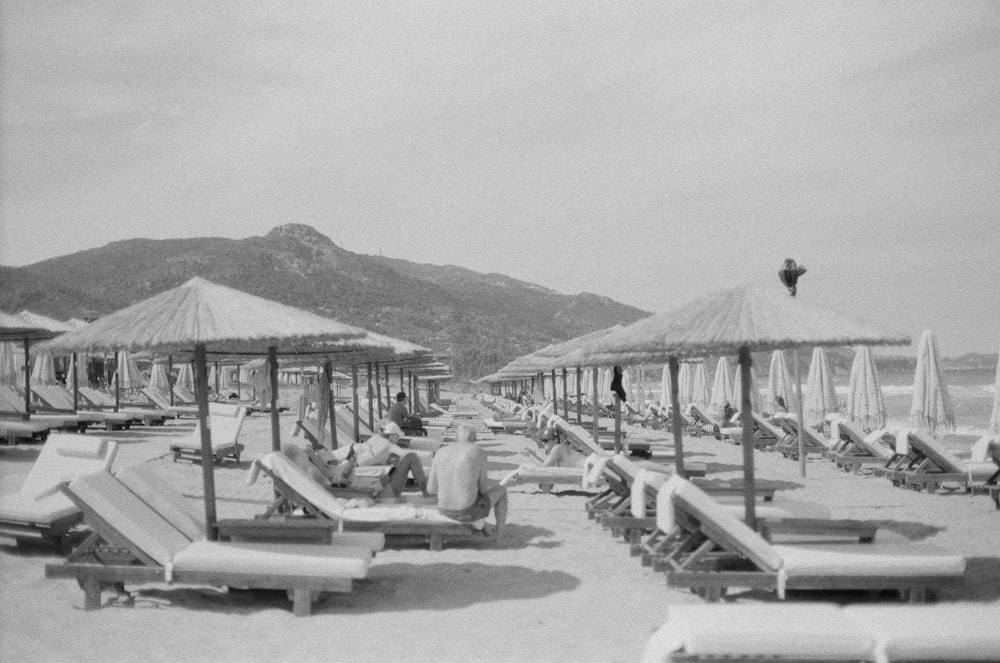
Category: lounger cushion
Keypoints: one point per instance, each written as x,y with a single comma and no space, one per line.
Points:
760,631
81,446
278,559
164,499
64,457
897,561
22,428
130,516
20,507
935,452
946,632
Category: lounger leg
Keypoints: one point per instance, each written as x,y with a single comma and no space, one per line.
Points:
436,542
91,594
301,602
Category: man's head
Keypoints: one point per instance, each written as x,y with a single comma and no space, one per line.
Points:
400,397
465,434
392,431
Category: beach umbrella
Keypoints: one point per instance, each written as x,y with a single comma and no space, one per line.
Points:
204,317
43,371
129,375
24,327
865,405
755,399
722,387
185,377
736,321
158,376
10,372
779,381
932,408
685,380
821,396
699,384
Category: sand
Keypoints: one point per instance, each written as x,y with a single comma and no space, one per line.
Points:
559,588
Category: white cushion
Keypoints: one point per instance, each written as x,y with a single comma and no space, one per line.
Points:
888,561
25,508
274,559
948,632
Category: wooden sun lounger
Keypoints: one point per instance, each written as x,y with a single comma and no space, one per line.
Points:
813,441
57,399
13,431
148,415
162,401
12,405
297,492
225,425
133,543
38,512
717,551
852,449
932,466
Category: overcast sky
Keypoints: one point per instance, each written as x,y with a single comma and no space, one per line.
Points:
651,152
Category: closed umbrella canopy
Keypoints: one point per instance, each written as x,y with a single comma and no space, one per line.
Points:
755,400
158,376
10,370
932,408
129,375
699,385
779,382
685,383
865,405
821,397
722,387
665,386
185,377
43,371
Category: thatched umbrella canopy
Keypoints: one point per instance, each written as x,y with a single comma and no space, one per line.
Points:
204,316
737,321
25,327
865,404
932,407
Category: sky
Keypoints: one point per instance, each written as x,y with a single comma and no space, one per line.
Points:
652,152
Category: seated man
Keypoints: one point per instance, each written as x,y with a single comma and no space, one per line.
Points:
459,479
397,411
377,450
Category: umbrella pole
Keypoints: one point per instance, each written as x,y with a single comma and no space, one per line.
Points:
388,391
749,498
378,391
118,388
272,362
579,395
676,419
618,424
27,382
170,378
328,374
207,464
597,442
76,386
354,390
802,419
565,395
371,394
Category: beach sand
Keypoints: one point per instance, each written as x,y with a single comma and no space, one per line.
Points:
558,588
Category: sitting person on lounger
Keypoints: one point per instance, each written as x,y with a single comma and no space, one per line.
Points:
558,453
398,412
463,488
377,450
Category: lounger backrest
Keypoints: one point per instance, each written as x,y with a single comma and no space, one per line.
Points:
850,429
54,397
164,499
767,426
937,454
160,399
579,436
724,528
362,419
66,456
311,491
345,423
129,516
97,398
225,422
10,400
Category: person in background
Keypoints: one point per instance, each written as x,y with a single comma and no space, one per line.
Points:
464,490
397,411
779,405
383,449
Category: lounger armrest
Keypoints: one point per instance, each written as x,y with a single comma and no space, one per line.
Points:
305,530
859,530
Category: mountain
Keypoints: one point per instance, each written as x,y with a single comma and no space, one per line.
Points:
485,320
